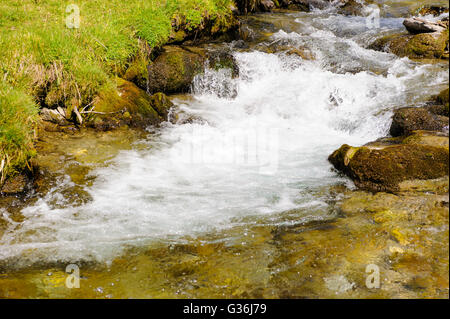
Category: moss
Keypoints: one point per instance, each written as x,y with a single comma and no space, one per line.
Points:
174,70
127,104
408,119
424,45
382,169
137,72
161,104
443,99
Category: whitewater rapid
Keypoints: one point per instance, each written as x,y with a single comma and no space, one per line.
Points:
257,146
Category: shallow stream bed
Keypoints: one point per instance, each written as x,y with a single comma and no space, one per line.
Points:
240,201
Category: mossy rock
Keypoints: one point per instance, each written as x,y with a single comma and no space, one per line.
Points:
223,59
429,138
350,7
408,119
137,72
441,106
161,104
418,46
431,9
384,168
127,104
174,70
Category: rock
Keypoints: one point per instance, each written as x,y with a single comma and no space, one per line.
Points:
137,72
416,25
433,10
284,46
418,46
442,107
384,167
430,138
223,59
161,104
57,116
127,104
174,70
14,185
266,5
408,119
350,7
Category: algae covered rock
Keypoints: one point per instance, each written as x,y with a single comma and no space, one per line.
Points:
408,119
383,167
127,104
174,70
418,46
440,104
137,72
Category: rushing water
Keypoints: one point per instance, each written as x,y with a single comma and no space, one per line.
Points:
256,149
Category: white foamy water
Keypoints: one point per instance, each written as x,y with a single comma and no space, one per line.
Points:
260,148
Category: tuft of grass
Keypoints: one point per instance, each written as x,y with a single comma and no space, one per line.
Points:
18,114
45,64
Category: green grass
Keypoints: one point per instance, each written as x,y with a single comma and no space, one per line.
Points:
44,63
18,113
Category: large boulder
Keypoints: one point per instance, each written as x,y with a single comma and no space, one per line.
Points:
415,46
127,104
174,69
408,119
383,165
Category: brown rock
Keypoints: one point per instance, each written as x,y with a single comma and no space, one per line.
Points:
410,119
416,25
15,185
383,169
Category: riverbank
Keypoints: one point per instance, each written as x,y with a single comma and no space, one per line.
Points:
45,64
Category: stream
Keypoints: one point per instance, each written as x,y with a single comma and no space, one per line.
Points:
196,209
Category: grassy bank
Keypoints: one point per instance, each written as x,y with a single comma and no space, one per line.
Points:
43,63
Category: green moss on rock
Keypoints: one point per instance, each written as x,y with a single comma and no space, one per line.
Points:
419,46
174,70
383,168
128,104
